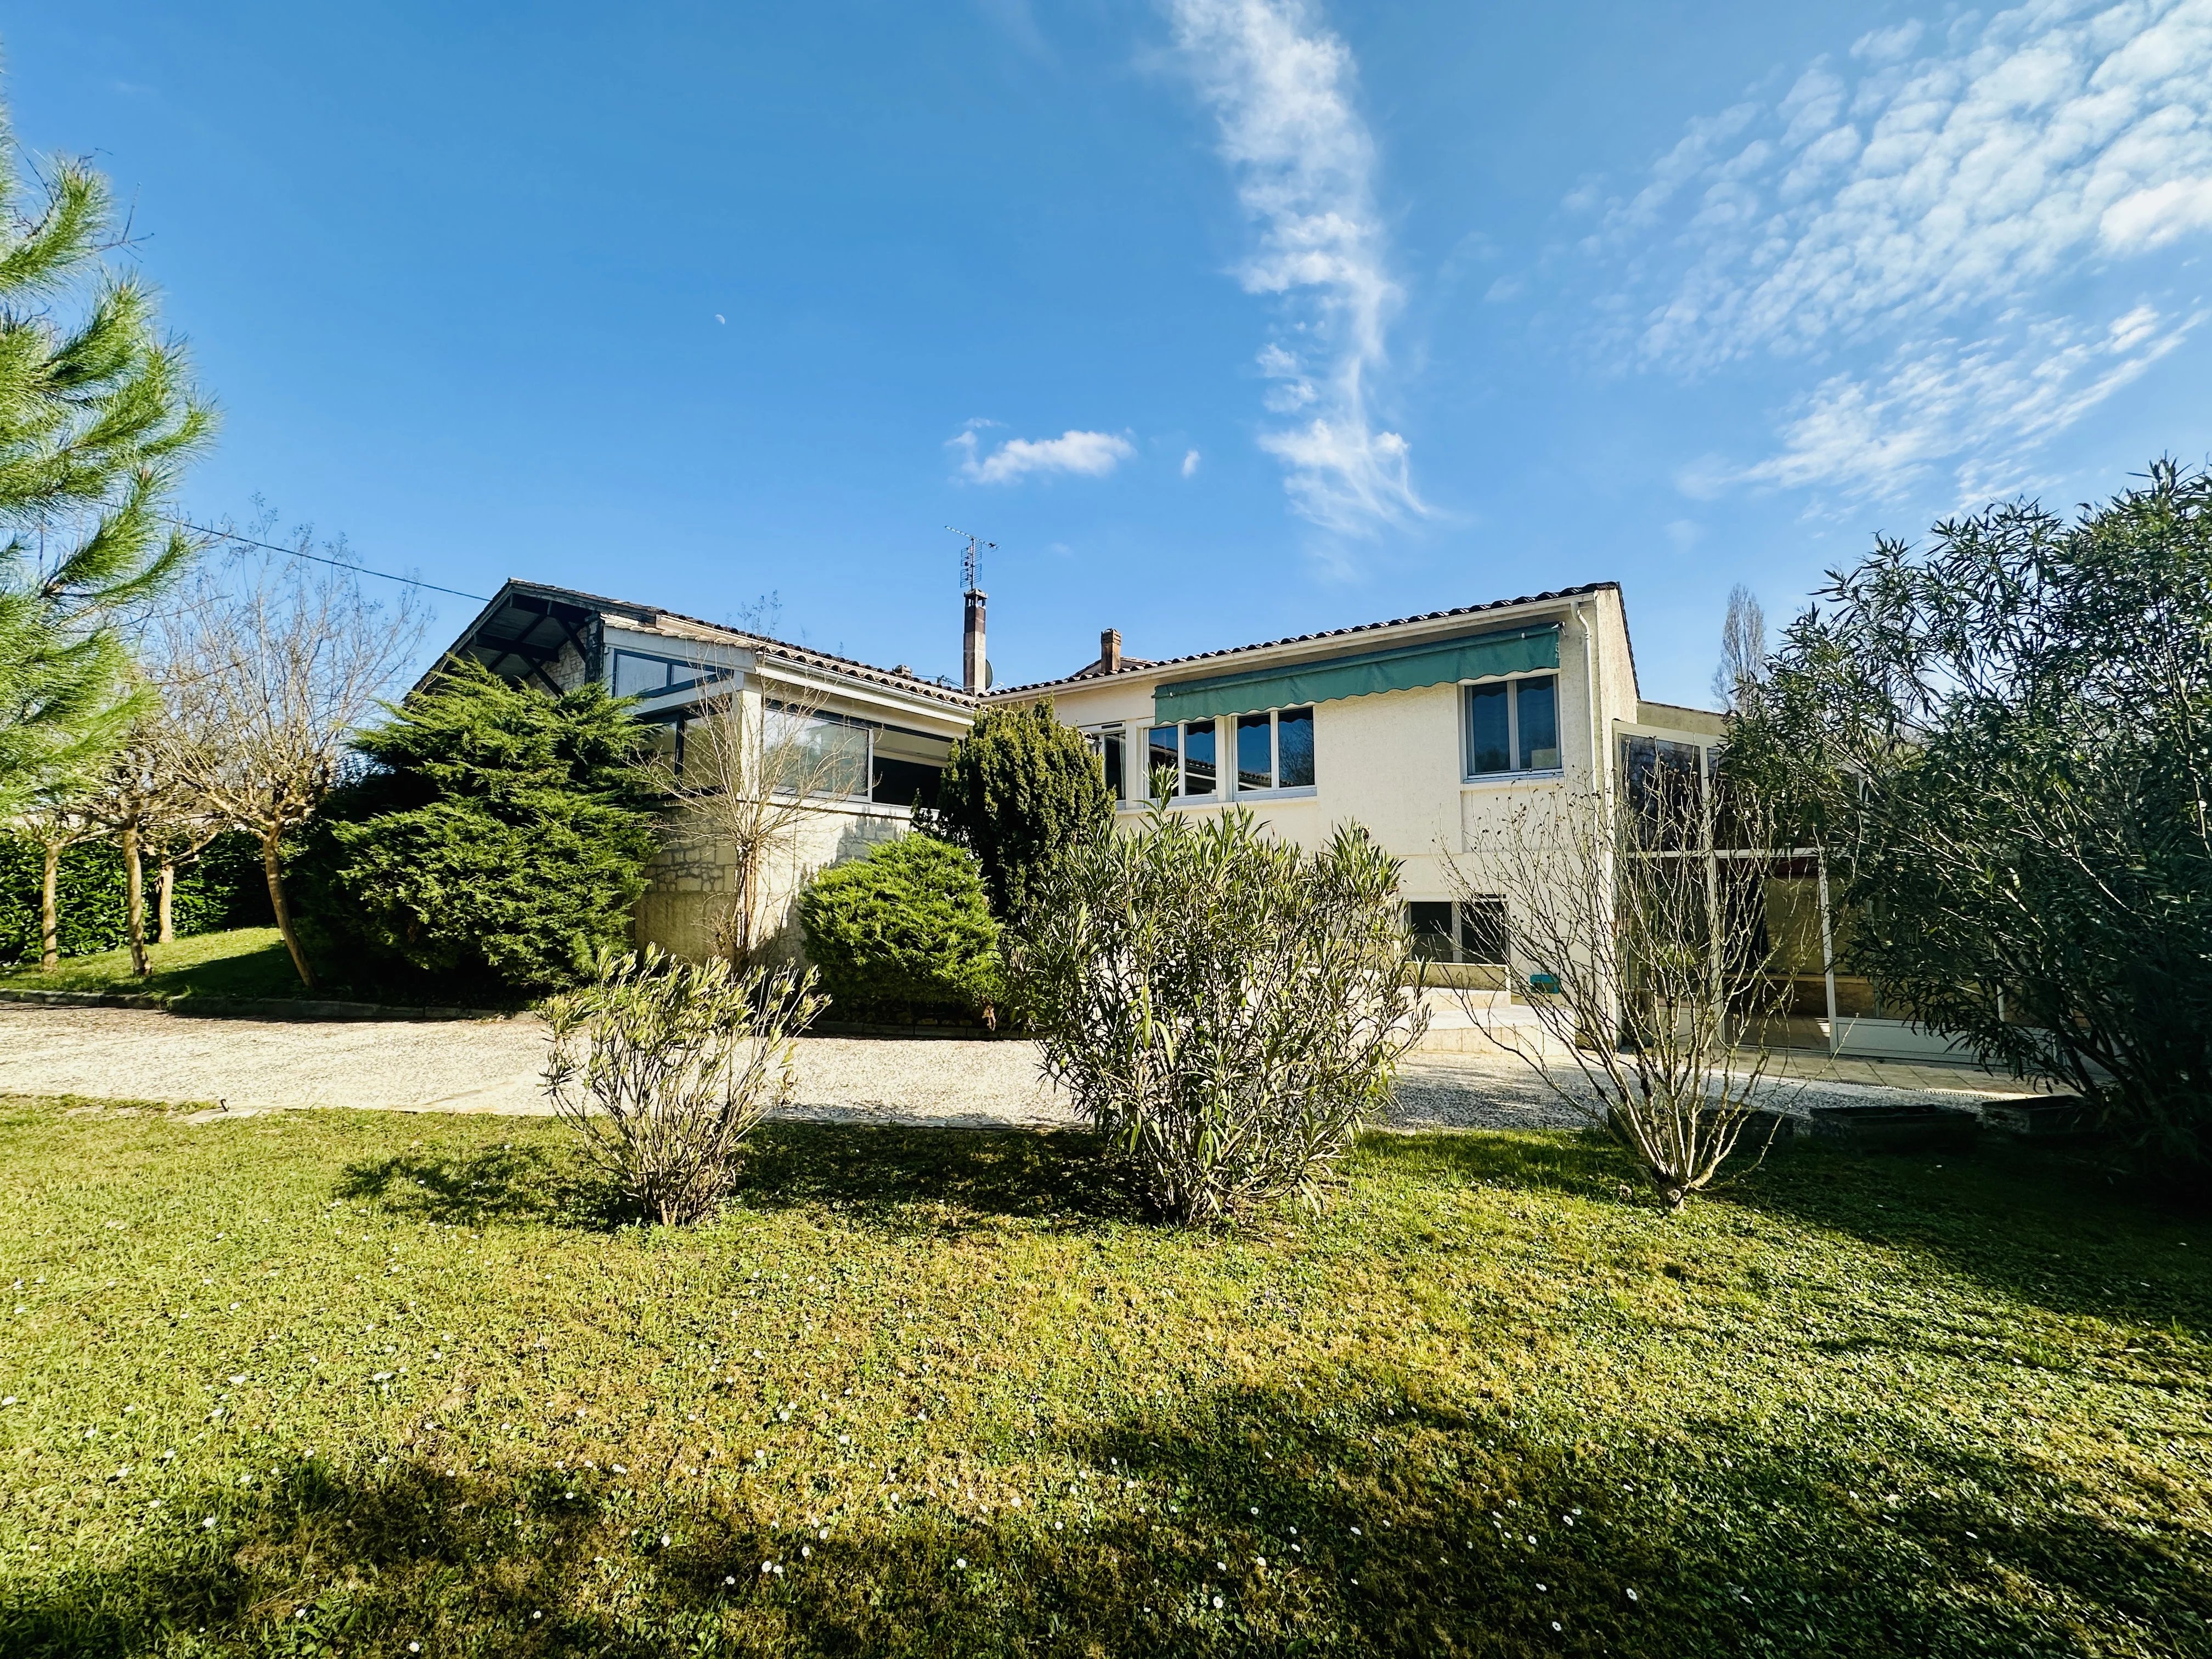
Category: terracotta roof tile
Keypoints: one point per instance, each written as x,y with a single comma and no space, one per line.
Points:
1131,666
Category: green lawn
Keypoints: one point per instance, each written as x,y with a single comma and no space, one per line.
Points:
344,1383
244,961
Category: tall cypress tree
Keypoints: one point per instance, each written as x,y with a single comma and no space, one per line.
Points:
97,415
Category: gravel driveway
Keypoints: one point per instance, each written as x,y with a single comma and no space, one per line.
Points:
493,1066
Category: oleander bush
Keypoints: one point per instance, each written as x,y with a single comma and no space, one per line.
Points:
1226,1008
664,1067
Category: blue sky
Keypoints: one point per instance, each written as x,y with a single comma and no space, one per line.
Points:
1224,318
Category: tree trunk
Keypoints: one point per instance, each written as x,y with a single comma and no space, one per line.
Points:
749,884
134,900
50,919
269,868
165,892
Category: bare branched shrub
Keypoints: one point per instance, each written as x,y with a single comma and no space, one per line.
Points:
1227,1010
666,1067
1638,944
755,768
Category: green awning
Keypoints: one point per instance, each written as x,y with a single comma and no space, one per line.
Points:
1407,668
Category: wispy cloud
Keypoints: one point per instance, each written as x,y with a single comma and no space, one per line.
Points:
1088,454
1980,405
1280,85
1931,205
1189,463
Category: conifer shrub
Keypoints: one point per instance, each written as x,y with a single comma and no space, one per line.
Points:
499,834
1018,791
1226,1008
906,929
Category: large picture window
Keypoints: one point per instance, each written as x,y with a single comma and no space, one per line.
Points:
638,675
1240,754
832,754
1513,725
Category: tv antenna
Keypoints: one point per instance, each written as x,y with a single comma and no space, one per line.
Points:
968,559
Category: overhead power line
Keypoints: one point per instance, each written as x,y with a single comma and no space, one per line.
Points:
302,553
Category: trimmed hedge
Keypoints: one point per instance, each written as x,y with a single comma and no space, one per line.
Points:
224,889
906,928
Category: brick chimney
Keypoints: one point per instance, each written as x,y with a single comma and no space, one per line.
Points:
975,668
1110,651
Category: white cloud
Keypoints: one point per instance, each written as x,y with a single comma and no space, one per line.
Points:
1929,211
1280,85
1088,454
1978,405
1189,463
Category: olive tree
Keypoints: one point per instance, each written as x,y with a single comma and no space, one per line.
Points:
1225,1009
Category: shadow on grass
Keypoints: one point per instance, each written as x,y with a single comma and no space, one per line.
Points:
2049,1229
519,1184
935,1182
1388,1522
2053,1230
1576,1162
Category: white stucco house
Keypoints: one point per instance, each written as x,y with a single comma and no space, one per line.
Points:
1419,729
1422,729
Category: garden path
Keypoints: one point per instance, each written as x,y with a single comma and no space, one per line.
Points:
493,1066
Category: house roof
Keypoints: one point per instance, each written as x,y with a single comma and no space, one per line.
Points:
1132,665
552,614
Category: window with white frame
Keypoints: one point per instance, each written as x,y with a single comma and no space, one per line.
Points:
1512,725
834,753
1237,753
1107,743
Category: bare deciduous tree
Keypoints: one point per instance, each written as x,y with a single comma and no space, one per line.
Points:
753,769
272,663
1743,646
1651,979
132,792
53,821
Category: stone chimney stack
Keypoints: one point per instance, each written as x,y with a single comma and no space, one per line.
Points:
974,667
1110,651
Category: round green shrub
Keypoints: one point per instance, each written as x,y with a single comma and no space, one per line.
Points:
906,928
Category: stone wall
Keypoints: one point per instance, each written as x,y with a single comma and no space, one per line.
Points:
692,878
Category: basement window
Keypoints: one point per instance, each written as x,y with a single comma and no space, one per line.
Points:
1472,931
